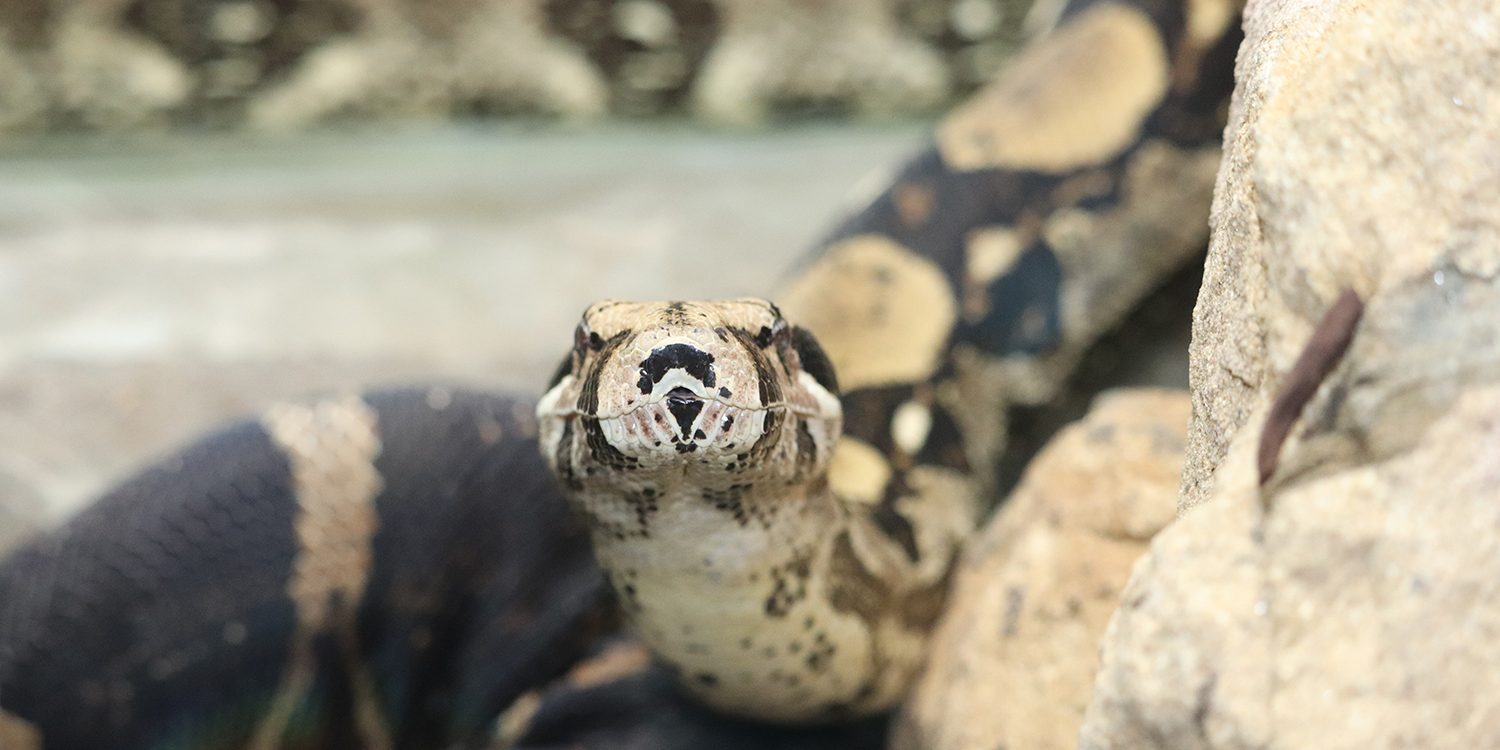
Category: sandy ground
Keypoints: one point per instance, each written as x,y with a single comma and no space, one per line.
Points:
151,289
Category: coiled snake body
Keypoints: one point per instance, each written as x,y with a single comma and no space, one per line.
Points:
396,569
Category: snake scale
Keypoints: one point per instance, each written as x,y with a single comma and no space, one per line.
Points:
777,492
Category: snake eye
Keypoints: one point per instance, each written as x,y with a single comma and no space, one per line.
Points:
586,338
775,333
814,361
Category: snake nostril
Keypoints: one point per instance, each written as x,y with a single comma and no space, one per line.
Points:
684,405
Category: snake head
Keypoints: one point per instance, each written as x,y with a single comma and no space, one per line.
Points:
703,391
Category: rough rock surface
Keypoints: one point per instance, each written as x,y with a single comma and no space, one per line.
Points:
1014,657
1361,152
1350,601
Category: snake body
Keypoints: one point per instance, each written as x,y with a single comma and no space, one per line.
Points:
341,573
402,566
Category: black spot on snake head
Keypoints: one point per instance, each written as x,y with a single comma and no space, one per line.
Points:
690,359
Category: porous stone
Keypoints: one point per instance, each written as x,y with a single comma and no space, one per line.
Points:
1014,657
1348,601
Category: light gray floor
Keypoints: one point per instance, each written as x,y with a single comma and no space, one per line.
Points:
151,289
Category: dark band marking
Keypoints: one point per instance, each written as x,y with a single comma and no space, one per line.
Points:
602,451
868,413
945,442
1023,307
852,587
920,608
1324,349
814,361
588,397
895,525
770,387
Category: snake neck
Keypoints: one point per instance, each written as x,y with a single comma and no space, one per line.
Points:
682,535
761,600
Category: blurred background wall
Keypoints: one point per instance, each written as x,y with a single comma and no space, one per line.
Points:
206,205
122,64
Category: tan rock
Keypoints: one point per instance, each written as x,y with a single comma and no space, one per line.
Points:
1183,660
1351,601
1358,611
1015,655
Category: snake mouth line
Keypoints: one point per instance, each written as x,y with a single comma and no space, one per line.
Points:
773,406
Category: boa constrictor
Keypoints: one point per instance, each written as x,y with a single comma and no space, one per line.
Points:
396,569
696,438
